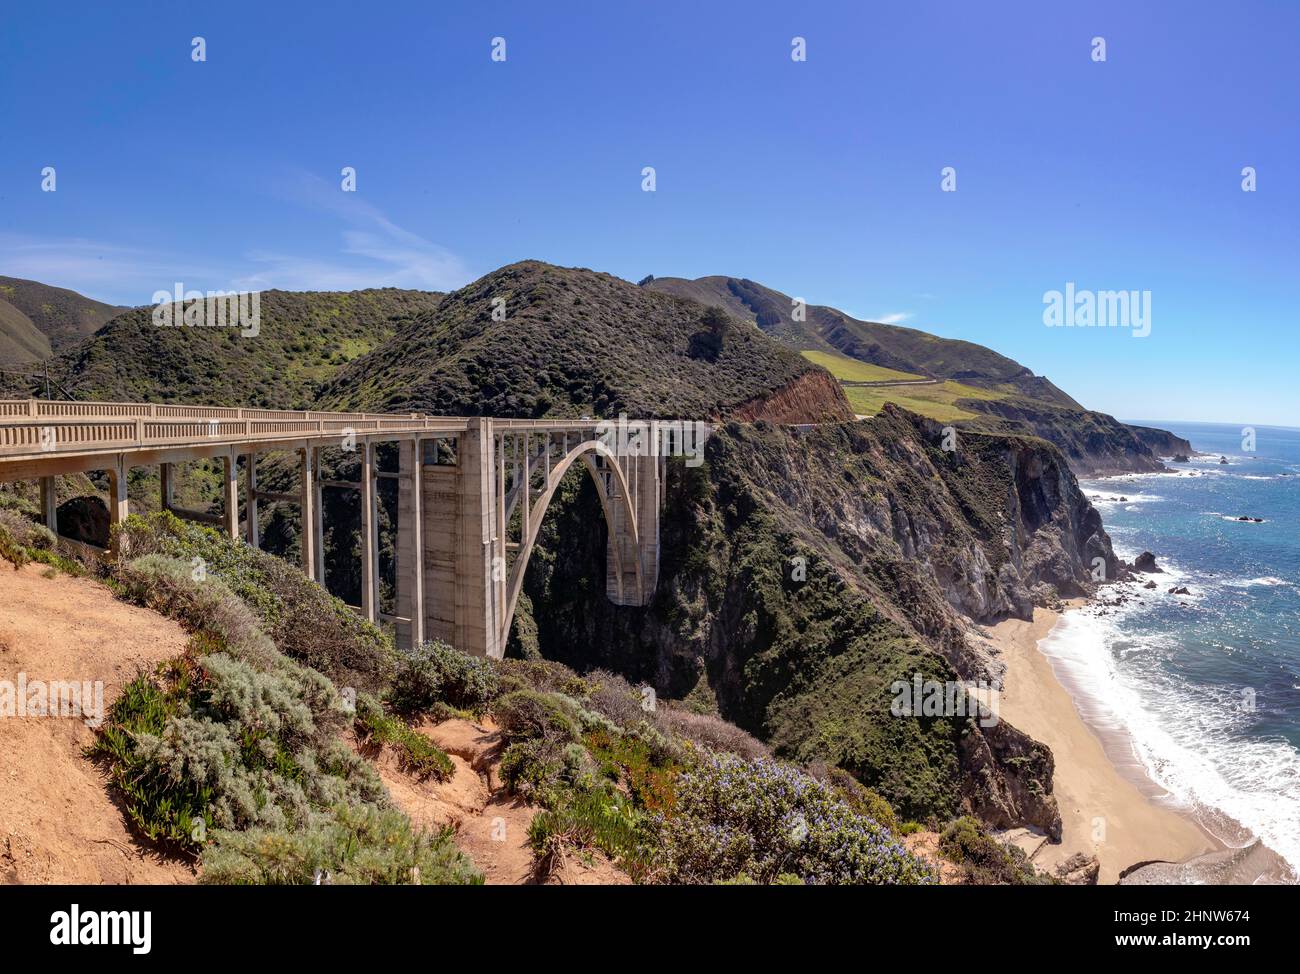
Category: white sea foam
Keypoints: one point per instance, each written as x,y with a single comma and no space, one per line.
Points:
1182,734
1265,581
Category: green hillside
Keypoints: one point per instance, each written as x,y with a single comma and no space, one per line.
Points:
303,340
571,342
891,346
37,320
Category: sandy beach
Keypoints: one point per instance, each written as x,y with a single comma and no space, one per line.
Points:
1115,814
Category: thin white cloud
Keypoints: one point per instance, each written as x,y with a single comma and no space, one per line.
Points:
382,254
897,318
105,271
372,251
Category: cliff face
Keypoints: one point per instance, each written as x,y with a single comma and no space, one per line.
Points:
804,572
1093,443
814,397
1162,442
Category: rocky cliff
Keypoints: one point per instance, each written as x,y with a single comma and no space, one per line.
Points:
804,572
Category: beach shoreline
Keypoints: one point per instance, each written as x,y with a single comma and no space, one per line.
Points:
1110,808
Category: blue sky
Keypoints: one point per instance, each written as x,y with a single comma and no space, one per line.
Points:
821,178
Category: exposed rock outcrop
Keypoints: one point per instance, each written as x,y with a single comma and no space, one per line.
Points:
814,397
1146,563
804,573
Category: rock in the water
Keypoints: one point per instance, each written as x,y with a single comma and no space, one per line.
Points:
1180,590
1181,458
1146,563
1149,585
1223,461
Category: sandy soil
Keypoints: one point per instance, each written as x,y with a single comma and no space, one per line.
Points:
58,823
1088,786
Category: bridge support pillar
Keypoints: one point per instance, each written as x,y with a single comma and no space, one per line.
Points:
308,539
318,518
230,496
117,503
410,544
480,548
369,547
167,485
50,504
250,501
643,480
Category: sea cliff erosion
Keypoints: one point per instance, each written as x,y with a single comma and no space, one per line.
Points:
810,569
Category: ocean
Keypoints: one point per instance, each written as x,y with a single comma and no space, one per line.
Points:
1203,688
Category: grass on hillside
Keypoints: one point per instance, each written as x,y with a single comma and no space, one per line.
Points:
852,370
937,402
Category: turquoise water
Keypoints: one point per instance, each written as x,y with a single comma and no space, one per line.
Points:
1208,685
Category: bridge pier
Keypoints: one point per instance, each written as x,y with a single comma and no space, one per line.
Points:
230,496
369,546
117,504
308,521
410,544
50,504
251,527
480,545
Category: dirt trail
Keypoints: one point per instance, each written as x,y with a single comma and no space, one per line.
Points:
58,821
491,825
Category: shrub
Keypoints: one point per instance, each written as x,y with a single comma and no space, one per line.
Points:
348,845
598,819
533,714
712,733
763,819
415,752
303,621
436,673
987,861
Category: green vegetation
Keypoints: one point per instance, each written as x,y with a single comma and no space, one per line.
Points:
854,370
985,860
354,846
573,342
37,320
615,777
436,676
832,332
233,752
303,341
302,621
939,401
943,402
415,752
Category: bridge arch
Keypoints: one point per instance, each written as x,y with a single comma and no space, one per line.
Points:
612,503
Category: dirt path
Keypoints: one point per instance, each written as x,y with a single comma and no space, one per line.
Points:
491,825
58,823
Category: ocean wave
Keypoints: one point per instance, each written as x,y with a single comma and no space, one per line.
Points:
1266,581
1183,734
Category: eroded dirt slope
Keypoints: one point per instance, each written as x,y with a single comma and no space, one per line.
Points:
58,821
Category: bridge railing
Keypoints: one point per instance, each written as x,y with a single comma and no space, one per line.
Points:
40,408
35,426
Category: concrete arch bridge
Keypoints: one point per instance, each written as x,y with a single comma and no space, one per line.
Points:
465,525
